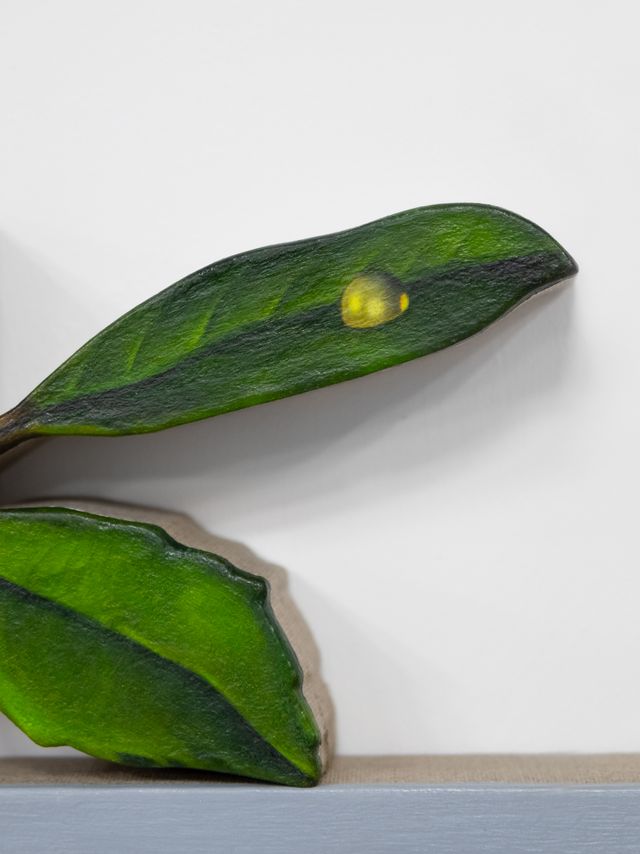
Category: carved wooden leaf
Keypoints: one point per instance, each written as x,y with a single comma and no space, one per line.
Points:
129,646
284,319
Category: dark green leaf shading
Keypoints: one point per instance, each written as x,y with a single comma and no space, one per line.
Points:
118,641
285,319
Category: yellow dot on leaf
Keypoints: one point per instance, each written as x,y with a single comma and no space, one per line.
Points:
371,300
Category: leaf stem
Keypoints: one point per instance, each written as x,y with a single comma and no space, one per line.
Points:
12,430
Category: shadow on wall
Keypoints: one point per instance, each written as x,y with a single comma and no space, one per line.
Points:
310,448
307,454
41,317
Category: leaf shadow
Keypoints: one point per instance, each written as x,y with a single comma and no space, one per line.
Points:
311,450
309,453
37,303
389,676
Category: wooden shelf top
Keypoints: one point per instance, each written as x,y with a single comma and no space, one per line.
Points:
523,769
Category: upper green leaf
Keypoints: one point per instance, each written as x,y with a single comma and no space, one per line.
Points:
284,319
123,643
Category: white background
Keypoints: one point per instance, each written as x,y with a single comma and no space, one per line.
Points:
461,532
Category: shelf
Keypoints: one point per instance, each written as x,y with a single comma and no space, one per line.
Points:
443,804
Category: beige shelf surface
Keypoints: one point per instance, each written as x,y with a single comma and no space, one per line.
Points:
524,769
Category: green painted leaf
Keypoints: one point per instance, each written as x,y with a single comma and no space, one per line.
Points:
284,319
129,646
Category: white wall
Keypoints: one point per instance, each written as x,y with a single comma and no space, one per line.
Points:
461,532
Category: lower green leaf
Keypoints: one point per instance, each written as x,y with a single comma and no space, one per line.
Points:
121,642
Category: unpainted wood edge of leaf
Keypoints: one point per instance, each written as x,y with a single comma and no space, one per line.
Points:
185,530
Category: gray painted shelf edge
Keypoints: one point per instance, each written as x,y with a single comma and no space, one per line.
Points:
137,814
